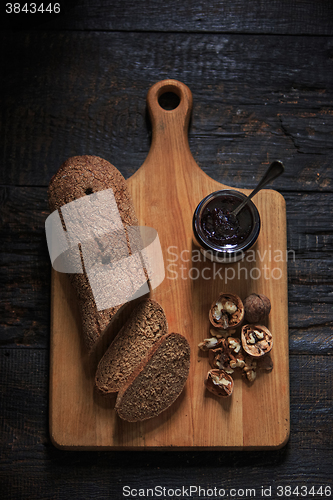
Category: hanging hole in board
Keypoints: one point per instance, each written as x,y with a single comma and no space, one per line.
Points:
169,101
89,190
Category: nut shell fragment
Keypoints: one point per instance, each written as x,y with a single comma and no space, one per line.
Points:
257,340
227,311
219,383
256,307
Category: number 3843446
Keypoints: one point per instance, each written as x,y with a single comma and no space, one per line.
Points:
32,8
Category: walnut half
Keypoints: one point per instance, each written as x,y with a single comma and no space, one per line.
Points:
227,311
257,340
219,383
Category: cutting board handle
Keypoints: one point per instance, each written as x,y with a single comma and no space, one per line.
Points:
181,113
170,126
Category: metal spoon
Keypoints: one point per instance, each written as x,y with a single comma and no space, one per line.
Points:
275,169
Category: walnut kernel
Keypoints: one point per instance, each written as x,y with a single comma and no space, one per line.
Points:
219,383
208,344
249,369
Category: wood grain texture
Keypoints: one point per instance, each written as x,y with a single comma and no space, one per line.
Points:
278,17
165,191
255,98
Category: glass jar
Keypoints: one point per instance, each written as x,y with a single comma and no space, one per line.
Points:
223,237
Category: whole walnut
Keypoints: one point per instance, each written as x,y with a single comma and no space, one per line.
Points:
256,307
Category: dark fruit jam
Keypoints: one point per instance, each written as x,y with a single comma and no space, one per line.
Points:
220,227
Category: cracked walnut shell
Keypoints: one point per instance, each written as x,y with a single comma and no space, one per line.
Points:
219,383
227,311
257,340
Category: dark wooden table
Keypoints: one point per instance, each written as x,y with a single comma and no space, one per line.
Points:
73,83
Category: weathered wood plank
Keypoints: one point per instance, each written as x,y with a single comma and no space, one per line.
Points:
25,269
32,468
255,99
72,93
311,233
233,16
24,266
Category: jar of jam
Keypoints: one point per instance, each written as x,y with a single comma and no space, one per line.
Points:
222,236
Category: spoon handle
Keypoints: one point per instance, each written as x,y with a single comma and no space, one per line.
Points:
275,169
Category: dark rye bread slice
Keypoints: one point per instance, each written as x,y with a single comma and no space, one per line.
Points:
157,382
77,177
145,326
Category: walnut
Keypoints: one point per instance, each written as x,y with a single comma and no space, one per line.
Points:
256,307
251,375
252,365
237,363
227,311
208,344
219,357
219,383
249,369
227,353
257,340
226,356
234,344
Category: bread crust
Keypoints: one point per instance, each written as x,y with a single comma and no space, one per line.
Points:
145,326
156,383
77,177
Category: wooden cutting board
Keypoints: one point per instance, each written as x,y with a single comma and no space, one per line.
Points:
166,190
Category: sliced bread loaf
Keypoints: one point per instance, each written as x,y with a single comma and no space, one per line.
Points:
145,326
157,382
78,177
